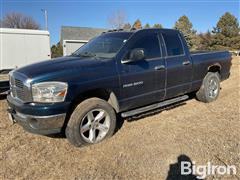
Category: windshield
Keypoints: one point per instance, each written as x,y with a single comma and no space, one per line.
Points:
106,45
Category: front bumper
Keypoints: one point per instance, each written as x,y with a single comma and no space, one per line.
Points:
39,124
38,118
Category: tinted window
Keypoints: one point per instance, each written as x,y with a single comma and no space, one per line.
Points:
173,44
150,44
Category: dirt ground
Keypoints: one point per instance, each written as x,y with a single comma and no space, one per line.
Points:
145,147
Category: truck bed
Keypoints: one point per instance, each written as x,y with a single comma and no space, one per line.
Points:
206,52
202,60
210,56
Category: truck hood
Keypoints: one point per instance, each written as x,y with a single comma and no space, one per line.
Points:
62,68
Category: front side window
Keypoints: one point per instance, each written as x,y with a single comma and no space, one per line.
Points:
105,46
173,44
150,44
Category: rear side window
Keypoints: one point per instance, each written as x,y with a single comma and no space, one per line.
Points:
173,44
150,44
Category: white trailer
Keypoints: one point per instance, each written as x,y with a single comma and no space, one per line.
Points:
20,47
70,46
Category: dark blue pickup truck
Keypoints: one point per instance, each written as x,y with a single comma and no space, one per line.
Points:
119,72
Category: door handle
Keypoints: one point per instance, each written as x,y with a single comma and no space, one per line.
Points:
157,68
186,63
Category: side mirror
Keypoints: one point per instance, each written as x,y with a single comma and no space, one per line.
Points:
135,55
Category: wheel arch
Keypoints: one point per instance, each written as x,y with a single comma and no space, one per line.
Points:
105,94
216,67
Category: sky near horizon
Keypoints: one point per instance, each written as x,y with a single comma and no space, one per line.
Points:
203,14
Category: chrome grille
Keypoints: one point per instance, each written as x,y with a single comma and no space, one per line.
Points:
18,89
19,83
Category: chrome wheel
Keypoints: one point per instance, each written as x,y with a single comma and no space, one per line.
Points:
95,125
213,88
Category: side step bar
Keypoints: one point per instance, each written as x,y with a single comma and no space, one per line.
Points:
154,106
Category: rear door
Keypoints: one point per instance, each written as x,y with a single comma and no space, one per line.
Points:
140,80
178,64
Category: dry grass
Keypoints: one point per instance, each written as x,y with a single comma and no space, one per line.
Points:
143,147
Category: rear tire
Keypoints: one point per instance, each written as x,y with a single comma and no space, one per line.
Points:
210,88
92,121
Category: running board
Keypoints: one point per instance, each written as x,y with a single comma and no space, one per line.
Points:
154,106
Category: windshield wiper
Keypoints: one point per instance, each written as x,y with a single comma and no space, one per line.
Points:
87,54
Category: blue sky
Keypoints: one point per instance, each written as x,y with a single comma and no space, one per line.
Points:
204,14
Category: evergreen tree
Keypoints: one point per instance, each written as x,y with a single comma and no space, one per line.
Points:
184,25
157,26
226,33
137,24
147,26
227,25
56,50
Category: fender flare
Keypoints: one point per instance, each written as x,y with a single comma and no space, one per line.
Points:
215,64
113,101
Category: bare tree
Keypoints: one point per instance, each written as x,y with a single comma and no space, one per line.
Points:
117,19
127,26
19,21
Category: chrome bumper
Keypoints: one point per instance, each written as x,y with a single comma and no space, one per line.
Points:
39,124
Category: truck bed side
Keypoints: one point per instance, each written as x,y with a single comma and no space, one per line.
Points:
204,61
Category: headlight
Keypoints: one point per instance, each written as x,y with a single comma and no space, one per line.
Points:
49,92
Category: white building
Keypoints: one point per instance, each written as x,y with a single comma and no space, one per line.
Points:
73,38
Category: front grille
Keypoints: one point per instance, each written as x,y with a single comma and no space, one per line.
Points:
19,83
18,89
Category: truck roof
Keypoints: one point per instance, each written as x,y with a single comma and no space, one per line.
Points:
137,30
23,31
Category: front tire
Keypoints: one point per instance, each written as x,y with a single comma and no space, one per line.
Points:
92,121
210,88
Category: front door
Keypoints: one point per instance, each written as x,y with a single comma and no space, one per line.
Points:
143,82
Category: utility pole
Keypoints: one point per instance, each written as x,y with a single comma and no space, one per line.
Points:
46,18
